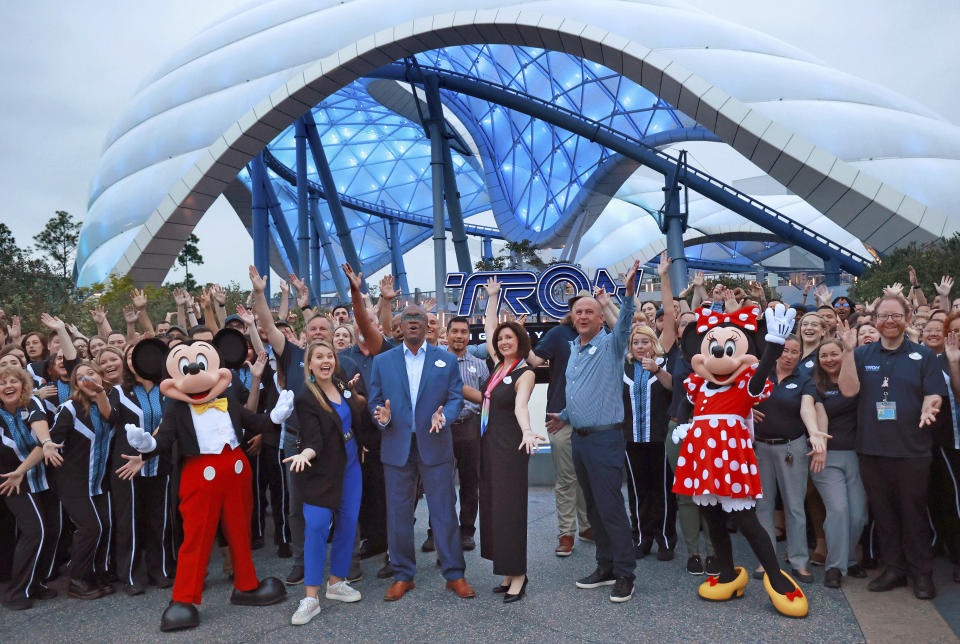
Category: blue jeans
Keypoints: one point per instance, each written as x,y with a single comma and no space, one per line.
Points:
317,527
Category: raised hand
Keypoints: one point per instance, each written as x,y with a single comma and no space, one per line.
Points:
218,294
911,271
130,314
382,414
73,331
492,287
893,290
258,283
356,279
531,441
756,290
601,296
99,314
131,468
429,304
437,421
847,335
352,382
631,280
246,315
952,347
303,291
945,285
810,284
139,298
698,279
180,296
823,294
284,290
663,268
15,331
51,322
258,365
387,290
779,323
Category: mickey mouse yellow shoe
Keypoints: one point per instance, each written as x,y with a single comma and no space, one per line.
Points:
793,604
716,591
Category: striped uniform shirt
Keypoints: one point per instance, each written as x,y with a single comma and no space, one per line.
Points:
594,373
86,439
150,404
18,437
474,373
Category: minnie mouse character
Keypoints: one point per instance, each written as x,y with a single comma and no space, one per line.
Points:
717,465
215,487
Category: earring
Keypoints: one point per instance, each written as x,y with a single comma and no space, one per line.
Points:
312,379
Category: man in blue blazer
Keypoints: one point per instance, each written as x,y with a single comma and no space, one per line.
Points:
415,393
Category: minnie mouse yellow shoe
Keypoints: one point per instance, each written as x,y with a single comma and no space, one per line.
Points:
716,591
793,604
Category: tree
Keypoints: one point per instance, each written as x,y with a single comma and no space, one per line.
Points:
190,255
58,241
515,256
931,261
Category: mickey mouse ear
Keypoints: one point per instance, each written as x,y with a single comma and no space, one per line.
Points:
149,359
232,348
690,341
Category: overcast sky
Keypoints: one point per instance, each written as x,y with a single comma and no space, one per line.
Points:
69,68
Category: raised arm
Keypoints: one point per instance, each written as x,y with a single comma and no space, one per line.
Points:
621,330
209,315
385,306
219,297
491,314
699,290
610,310
942,300
371,336
848,380
99,315
66,344
262,310
284,311
669,334
303,298
250,322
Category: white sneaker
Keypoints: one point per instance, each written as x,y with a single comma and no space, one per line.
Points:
308,609
342,592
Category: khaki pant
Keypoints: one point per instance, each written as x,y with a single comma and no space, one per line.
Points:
571,508
688,512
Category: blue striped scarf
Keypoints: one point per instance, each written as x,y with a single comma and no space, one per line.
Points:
63,391
102,433
641,416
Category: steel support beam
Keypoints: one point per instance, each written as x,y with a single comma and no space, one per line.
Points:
706,185
303,207
333,199
673,224
450,193
486,248
831,272
260,229
339,279
435,132
396,257
316,280
280,223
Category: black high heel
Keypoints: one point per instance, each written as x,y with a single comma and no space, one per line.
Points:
501,589
509,598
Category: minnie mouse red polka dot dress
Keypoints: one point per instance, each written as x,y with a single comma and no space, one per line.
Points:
717,463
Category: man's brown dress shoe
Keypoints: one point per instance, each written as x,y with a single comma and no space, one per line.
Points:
462,588
565,547
397,590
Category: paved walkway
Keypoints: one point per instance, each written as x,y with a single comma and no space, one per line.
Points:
665,607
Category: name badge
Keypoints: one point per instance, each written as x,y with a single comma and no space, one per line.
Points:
886,411
508,380
346,393
792,385
592,350
472,369
440,363
808,364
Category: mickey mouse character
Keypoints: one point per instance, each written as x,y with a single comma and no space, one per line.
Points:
215,483
717,465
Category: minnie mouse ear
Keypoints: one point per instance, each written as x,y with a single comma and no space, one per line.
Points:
232,347
149,359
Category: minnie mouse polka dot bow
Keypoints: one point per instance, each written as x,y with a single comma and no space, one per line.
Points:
745,318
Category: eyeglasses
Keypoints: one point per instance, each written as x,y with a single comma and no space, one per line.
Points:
413,316
841,305
890,316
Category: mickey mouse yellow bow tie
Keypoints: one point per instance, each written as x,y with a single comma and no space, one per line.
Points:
219,403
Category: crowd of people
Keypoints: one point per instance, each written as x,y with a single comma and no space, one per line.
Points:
830,425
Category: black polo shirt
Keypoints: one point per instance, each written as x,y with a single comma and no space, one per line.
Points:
782,409
841,417
945,431
807,363
555,347
679,369
913,373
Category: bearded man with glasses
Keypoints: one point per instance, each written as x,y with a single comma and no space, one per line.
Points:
900,386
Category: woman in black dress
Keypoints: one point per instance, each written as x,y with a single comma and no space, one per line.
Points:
506,442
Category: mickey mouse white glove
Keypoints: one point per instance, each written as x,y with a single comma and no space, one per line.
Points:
284,407
779,323
139,439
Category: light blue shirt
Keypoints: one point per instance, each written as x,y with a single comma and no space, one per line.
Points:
594,373
414,363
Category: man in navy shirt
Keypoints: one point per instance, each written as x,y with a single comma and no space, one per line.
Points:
900,387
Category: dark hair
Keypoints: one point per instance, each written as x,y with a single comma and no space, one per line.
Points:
10,348
179,329
523,339
340,306
199,328
820,377
801,310
458,318
824,306
23,345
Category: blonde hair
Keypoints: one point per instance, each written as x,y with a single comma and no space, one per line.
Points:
25,380
643,329
79,396
308,375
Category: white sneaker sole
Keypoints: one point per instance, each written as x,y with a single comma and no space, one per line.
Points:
563,554
610,582
620,600
300,621
344,598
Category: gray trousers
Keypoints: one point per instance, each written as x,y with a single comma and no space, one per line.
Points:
791,480
571,508
688,512
842,492
295,506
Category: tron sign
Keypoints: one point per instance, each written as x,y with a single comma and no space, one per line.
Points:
521,289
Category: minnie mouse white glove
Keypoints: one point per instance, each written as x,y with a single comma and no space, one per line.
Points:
284,407
779,323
